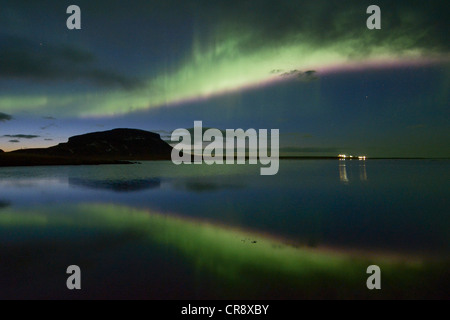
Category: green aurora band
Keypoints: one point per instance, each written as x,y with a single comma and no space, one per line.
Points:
225,64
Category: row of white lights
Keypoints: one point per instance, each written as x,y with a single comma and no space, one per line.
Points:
344,156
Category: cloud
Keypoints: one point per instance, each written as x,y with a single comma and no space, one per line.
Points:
14,141
307,76
21,136
5,117
49,126
24,58
49,118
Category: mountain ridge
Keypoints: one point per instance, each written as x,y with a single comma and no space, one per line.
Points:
105,147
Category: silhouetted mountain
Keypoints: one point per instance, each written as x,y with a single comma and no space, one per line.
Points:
109,147
117,144
1,151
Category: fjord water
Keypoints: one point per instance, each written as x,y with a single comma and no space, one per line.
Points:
156,230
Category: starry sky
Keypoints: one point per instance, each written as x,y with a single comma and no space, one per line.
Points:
311,69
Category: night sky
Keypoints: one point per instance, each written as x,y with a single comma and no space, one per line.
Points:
309,68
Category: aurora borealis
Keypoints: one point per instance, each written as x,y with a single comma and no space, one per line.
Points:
309,68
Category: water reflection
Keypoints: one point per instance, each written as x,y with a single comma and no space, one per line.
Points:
206,260
305,201
133,185
201,186
117,185
4,204
362,172
343,172
343,175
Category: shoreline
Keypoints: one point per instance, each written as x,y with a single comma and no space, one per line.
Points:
9,159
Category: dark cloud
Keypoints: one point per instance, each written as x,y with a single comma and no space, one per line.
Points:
21,136
110,78
49,126
14,141
24,58
276,71
49,118
301,76
5,117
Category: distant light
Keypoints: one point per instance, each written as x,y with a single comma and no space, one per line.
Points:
344,156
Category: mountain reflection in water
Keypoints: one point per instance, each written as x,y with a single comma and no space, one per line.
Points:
117,185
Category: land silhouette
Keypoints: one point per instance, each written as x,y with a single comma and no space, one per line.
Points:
118,146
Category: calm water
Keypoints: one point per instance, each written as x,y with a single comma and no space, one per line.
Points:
157,230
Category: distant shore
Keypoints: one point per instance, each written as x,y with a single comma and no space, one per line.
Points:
8,159
356,159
